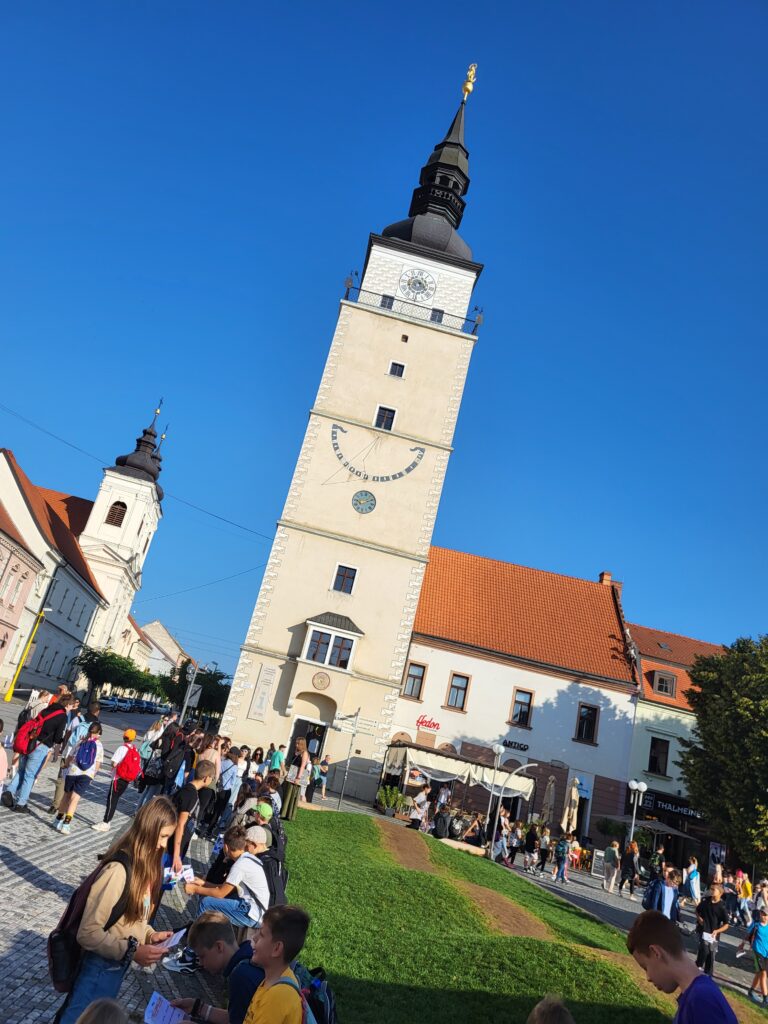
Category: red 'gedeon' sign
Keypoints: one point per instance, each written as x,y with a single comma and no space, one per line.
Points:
422,722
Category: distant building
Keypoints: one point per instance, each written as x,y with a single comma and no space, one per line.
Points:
87,560
166,655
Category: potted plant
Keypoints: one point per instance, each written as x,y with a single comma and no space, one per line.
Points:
388,799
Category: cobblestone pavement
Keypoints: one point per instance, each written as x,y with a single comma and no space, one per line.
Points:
585,891
40,870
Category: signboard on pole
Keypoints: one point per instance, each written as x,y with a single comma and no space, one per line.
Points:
193,694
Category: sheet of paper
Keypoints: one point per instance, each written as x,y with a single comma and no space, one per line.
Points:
160,1011
174,940
707,937
188,873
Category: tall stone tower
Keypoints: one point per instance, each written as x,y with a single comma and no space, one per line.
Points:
332,624
120,528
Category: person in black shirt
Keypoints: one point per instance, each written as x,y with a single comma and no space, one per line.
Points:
30,765
712,921
187,804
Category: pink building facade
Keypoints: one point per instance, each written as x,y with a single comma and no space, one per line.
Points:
18,571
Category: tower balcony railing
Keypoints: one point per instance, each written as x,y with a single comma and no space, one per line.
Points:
414,310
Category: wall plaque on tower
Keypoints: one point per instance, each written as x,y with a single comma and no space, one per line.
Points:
257,711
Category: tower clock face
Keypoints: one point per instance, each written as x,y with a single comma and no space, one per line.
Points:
417,285
363,502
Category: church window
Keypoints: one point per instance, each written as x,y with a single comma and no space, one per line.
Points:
385,418
345,579
397,369
387,301
436,316
318,646
116,513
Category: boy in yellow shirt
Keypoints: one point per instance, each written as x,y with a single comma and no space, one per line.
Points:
278,999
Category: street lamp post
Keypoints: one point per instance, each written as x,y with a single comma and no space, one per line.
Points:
637,789
498,750
38,619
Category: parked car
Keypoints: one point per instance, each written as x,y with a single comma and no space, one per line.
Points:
108,704
146,707
124,704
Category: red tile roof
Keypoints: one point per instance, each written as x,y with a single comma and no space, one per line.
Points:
674,658
9,528
72,510
52,513
526,613
141,634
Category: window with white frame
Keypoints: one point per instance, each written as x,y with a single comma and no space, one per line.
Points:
15,593
329,648
664,683
396,369
6,583
344,580
385,418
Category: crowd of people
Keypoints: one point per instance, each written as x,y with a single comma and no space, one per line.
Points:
190,782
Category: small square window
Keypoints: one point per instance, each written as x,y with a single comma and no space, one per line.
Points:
404,338
436,316
664,684
457,692
387,301
414,682
385,418
345,579
340,652
396,369
586,724
658,757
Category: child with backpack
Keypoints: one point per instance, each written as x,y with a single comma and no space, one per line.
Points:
278,941
106,925
212,938
562,851
127,765
81,767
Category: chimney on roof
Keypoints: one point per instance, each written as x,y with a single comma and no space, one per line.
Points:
608,581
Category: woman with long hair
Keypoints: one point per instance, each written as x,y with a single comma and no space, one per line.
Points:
292,787
258,760
131,877
630,869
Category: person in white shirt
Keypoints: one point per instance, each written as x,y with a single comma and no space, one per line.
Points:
244,896
443,796
118,784
420,807
81,766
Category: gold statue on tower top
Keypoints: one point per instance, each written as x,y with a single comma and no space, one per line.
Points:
469,84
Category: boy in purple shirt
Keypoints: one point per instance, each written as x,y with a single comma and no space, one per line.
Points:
655,943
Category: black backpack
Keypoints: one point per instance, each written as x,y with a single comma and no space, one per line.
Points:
64,951
277,878
442,825
172,761
279,838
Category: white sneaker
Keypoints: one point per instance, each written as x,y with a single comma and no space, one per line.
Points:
633,898
102,826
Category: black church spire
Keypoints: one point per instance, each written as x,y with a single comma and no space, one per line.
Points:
143,463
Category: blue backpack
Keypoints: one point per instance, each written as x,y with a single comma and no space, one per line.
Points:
86,755
317,996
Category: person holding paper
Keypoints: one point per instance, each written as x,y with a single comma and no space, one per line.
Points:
712,921
130,878
244,896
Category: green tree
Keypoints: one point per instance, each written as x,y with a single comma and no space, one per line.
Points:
100,667
725,764
216,686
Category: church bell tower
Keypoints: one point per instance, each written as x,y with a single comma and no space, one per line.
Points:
332,624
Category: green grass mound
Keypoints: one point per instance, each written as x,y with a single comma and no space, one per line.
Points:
404,946
566,921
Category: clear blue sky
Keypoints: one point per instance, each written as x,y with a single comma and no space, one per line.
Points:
186,185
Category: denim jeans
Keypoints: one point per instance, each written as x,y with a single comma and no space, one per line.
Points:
150,791
21,784
236,910
97,978
562,863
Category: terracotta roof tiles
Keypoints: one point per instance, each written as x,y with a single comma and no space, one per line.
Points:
672,654
9,528
538,616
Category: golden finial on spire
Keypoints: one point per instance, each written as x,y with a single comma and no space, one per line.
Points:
469,84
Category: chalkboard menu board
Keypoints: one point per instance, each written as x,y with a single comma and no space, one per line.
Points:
598,862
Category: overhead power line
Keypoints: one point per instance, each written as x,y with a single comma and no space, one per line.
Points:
96,458
200,586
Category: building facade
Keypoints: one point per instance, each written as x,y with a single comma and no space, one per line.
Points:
19,570
529,659
165,655
89,556
332,624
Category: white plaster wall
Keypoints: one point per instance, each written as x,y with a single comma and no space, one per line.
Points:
669,724
553,723
453,286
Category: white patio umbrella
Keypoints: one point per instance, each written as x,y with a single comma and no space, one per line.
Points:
571,809
548,805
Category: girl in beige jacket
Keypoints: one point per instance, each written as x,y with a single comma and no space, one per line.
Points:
130,881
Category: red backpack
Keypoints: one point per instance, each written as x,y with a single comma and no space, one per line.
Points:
25,740
130,766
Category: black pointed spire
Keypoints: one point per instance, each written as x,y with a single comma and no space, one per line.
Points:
143,463
437,205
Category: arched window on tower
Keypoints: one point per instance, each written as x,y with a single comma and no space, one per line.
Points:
116,513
